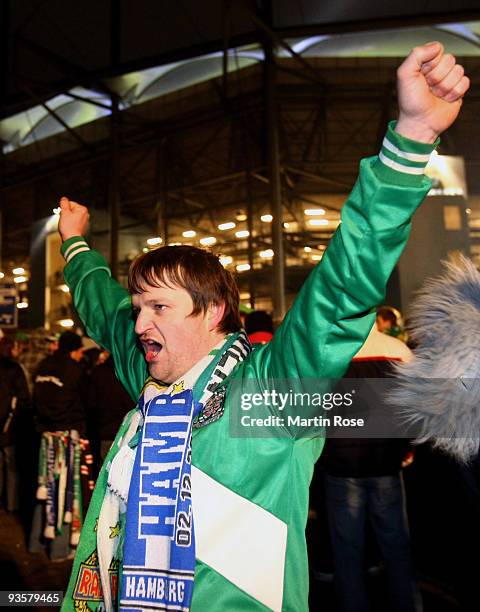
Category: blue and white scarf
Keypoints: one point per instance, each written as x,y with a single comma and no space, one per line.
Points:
159,551
159,540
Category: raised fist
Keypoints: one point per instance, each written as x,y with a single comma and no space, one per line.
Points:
431,86
73,219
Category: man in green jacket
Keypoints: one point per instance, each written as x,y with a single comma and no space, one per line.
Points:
187,512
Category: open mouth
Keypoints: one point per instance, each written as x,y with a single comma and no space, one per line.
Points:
152,349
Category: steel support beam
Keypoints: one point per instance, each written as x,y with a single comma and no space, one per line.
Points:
273,160
3,200
251,284
113,185
161,192
57,118
275,39
226,38
114,171
74,72
4,44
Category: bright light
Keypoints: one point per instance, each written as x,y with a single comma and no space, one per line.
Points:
243,267
307,249
52,223
57,211
154,241
286,225
226,260
316,222
208,241
468,211
267,254
240,216
20,279
18,270
242,234
446,191
65,288
312,212
2,275
227,226
145,250
316,257
66,323
189,234
174,244
266,218
21,305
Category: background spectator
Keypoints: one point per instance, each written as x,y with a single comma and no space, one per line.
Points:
363,482
14,399
64,474
259,327
108,403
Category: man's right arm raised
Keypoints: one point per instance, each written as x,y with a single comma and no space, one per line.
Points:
103,305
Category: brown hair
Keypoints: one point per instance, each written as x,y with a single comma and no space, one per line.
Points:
7,344
198,271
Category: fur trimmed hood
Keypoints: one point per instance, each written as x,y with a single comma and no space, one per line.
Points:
439,390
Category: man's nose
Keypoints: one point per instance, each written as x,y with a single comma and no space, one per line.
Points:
143,323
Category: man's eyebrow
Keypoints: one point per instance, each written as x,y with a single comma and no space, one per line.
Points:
160,299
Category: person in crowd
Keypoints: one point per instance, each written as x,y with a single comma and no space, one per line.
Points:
60,396
36,347
363,483
184,513
14,400
259,327
91,355
60,390
108,403
386,319
22,341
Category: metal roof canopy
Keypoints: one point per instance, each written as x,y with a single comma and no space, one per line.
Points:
51,46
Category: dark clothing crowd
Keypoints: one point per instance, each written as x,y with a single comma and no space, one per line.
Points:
60,398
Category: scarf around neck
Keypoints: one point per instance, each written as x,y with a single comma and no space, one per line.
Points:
144,544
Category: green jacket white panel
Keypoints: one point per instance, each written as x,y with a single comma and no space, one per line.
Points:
267,480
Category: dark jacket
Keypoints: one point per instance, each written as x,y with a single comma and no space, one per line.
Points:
13,384
60,388
369,457
108,402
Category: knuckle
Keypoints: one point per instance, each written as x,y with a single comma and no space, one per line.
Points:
453,94
426,66
463,86
440,91
433,79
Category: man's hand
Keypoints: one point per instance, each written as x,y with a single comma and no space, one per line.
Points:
431,86
73,219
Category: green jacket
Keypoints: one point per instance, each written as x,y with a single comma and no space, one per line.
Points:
252,493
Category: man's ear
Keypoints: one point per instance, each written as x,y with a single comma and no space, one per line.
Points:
215,314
